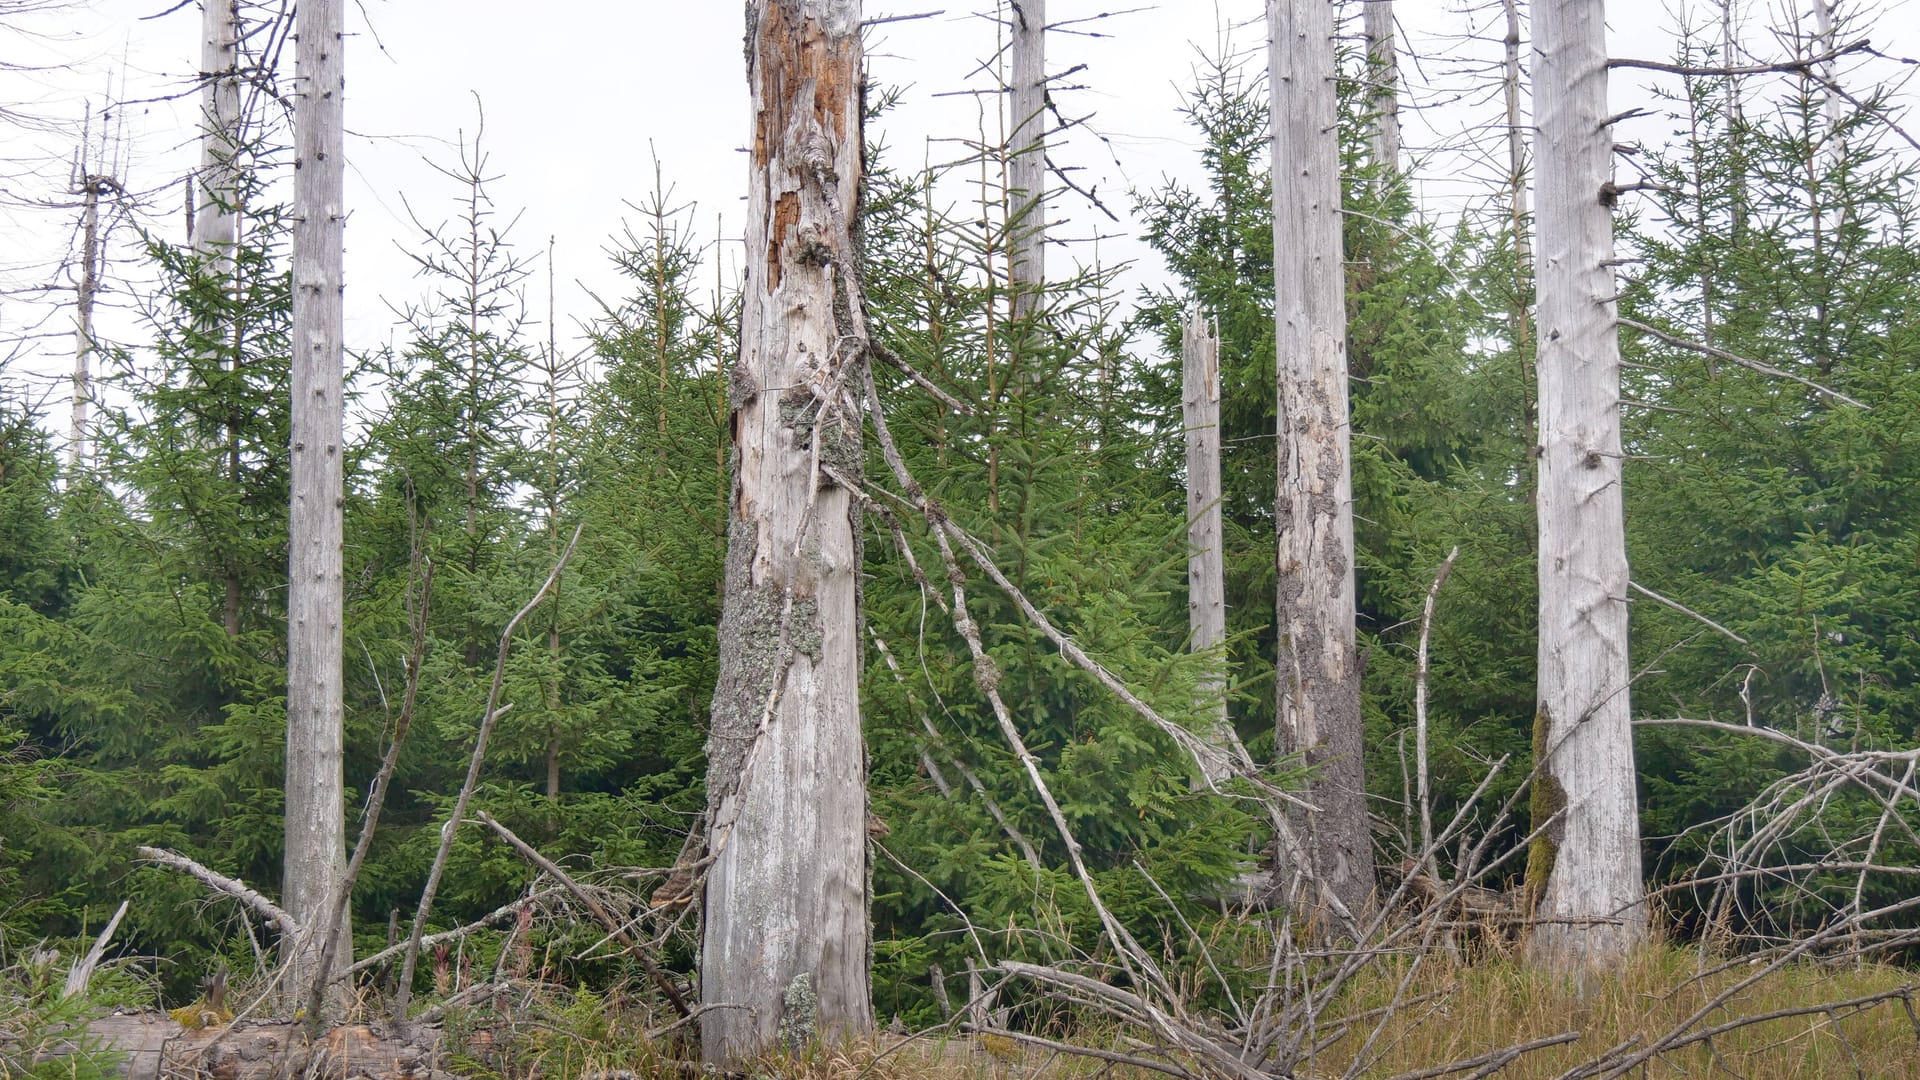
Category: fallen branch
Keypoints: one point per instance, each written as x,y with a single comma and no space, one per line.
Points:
1112,1057
483,922
1490,1063
614,929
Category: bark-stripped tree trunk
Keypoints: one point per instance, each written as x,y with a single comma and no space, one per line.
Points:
1831,109
216,195
90,187
1027,148
1206,558
1319,671
216,187
315,808
1384,67
787,934
1519,214
1825,172
1585,867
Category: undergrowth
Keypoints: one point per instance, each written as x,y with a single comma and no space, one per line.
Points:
1457,1011
1450,1011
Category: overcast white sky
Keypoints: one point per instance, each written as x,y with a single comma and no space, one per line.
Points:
580,97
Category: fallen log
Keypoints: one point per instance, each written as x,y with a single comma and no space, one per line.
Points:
154,1046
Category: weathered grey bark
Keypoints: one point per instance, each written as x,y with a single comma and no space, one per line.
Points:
1586,867
215,196
1318,673
1206,558
787,938
1384,66
1832,141
84,292
1519,318
1027,148
216,185
316,832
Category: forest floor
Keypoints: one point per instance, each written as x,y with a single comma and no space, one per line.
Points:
1805,1020
1848,1019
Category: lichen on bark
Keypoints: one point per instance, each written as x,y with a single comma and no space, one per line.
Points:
800,1022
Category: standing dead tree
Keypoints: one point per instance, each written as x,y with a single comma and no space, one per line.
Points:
316,831
1206,537
1585,866
1318,674
1384,70
1027,153
786,936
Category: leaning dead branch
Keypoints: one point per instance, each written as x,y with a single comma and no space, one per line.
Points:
225,886
488,717
973,779
1420,709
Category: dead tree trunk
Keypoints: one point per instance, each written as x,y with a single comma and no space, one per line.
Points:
787,935
1585,869
1206,559
1319,673
84,293
1027,149
1384,69
1519,214
215,207
216,187
316,833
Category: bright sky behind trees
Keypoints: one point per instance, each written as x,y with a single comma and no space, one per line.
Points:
577,109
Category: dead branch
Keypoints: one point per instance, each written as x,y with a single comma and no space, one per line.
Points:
491,714
1741,361
82,971
599,913
973,780
226,886
1420,711
1488,1064
1126,1005
1109,1056
1684,610
1784,67
490,919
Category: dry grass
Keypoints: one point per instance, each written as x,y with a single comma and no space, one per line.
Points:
1499,1002
1462,1011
